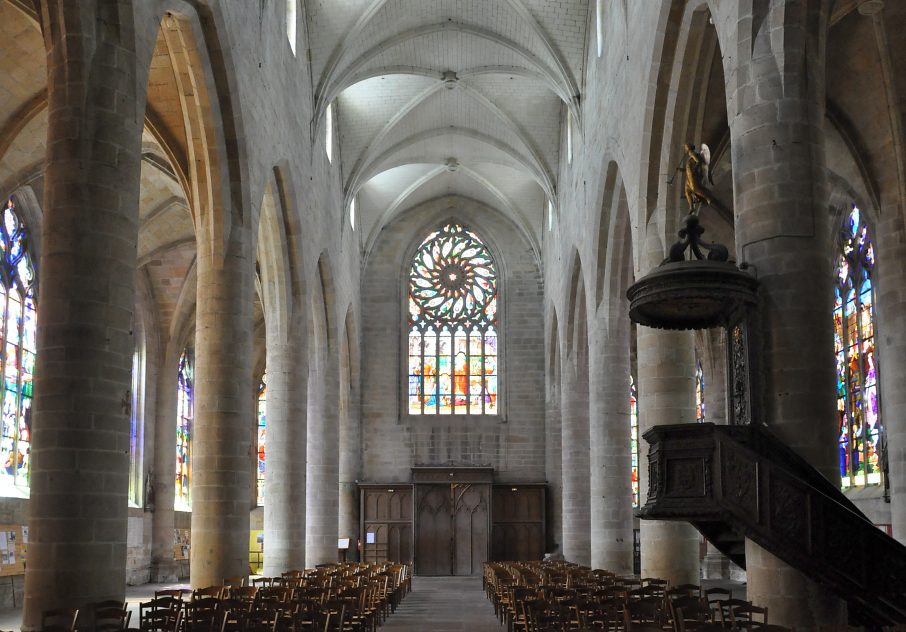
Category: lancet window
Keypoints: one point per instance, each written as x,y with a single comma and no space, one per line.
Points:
185,414
858,406
18,284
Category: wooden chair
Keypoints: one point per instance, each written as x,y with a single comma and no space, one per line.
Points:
748,616
59,620
235,582
215,592
201,615
332,617
262,620
725,605
655,581
159,614
717,593
646,611
773,627
685,590
233,615
111,616
688,612
176,593
645,592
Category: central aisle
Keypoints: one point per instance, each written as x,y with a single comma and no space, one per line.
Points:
444,604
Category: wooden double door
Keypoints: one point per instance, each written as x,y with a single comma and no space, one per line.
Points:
452,522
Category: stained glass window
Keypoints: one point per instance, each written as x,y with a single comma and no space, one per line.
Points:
854,346
262,424
185,412
634,439
699,393
453,326
18,328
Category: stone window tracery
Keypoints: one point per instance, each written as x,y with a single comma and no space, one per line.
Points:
859,420
185,414
452,324
18,339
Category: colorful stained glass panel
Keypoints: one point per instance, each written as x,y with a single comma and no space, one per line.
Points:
262,438
452,290
185,414
858,412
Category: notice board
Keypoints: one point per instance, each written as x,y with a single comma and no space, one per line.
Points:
13,548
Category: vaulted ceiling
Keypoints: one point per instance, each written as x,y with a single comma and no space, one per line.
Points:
436,97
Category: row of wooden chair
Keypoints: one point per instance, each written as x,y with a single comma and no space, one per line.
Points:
102,616
535,597
332,598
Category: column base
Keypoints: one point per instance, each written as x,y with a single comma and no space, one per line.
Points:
169,571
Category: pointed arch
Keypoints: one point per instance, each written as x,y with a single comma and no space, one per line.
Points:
322,307
452,325
273,264
575,301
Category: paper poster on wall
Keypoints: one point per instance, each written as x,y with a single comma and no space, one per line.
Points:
369,537
12,550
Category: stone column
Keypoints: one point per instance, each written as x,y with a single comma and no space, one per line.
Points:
553,455
666,396
284,473
782,230
611,469
890,297
221,477
80,421
576,545
163,568
322,499
350,455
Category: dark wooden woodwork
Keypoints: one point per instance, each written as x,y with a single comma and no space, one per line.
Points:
387,513
451,528
471,521
452,519
737,482
445,522
518,521
434,536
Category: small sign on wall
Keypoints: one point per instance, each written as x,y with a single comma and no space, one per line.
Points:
181,544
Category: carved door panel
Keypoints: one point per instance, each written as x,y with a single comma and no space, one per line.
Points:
470,528
386,523
518,528
452,524
434,537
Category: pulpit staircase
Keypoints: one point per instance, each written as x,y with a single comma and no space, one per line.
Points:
737,482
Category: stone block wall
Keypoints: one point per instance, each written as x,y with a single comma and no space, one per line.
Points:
393,441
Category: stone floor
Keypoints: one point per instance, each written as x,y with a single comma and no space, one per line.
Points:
444,604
